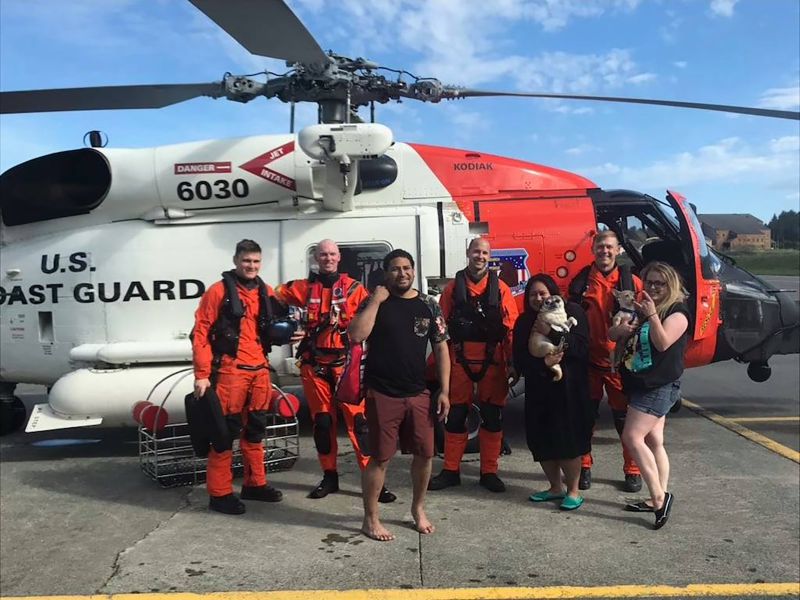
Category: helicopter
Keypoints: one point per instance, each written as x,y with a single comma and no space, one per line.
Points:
106,251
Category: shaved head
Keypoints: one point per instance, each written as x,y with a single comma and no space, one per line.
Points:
326,245
327,256
479,252
478,240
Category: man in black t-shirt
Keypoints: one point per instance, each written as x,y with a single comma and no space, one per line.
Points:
398,322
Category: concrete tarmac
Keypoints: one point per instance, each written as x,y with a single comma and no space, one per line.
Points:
79,517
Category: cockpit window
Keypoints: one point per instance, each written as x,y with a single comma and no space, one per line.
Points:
54,186
667,211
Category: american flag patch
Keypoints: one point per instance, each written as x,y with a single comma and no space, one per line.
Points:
511,267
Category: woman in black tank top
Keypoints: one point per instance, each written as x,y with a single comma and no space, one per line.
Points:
653,364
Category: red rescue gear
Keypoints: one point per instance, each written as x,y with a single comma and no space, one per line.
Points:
617,402
492,388
322,352
240,391
598,302
249,351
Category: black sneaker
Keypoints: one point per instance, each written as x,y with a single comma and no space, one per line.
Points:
492,482
386,497
445,479
229,504
585,480
261,493
328,485
662,514
633,483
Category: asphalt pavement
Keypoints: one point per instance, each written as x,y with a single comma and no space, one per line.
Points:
77,516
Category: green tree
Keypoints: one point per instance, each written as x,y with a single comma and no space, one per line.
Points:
785,229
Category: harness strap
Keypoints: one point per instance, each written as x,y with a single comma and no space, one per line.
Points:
484,364
308,351
493,301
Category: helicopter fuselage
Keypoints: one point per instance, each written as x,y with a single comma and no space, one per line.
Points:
107,251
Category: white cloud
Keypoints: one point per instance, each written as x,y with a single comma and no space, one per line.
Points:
567,109
579,149
642,78
788,143
681,64
461,42
670,30
556,15
730,160
560,72
723,8
785,98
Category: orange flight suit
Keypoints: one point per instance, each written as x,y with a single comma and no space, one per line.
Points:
492,389
321,371
242,384
598,302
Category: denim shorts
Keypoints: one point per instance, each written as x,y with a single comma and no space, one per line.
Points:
658,401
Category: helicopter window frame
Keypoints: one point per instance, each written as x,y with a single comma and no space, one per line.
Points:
354,262
614,217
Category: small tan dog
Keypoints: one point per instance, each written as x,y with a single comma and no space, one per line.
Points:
625,299
552,313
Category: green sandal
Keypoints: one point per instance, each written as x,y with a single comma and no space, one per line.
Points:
571,503
545,496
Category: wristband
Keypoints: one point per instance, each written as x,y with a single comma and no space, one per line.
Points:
647,318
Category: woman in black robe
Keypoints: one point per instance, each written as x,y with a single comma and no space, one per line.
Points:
558,414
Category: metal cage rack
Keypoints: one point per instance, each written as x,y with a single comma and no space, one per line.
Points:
166,456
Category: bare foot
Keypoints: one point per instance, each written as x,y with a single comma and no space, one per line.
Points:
376,531
421,522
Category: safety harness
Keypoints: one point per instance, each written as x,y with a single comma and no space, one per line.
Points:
336,319
476,319
207,423
580,284
223,336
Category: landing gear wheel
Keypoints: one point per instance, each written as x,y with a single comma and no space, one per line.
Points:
12,415
759,371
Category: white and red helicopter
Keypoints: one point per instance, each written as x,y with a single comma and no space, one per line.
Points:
106,251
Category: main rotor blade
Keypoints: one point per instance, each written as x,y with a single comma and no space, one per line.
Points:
745,110
105,98
264,27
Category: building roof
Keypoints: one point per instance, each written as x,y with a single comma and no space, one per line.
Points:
740,223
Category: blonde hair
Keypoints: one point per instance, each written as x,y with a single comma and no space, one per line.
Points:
675,291
606,233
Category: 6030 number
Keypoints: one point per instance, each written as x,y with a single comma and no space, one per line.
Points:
205,190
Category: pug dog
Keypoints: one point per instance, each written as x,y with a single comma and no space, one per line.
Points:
552,313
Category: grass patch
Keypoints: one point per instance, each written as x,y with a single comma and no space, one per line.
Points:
769,262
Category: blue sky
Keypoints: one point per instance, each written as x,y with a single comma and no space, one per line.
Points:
744,52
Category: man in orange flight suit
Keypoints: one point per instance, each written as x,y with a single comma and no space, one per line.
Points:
597,299
230,344
480,318
332,300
